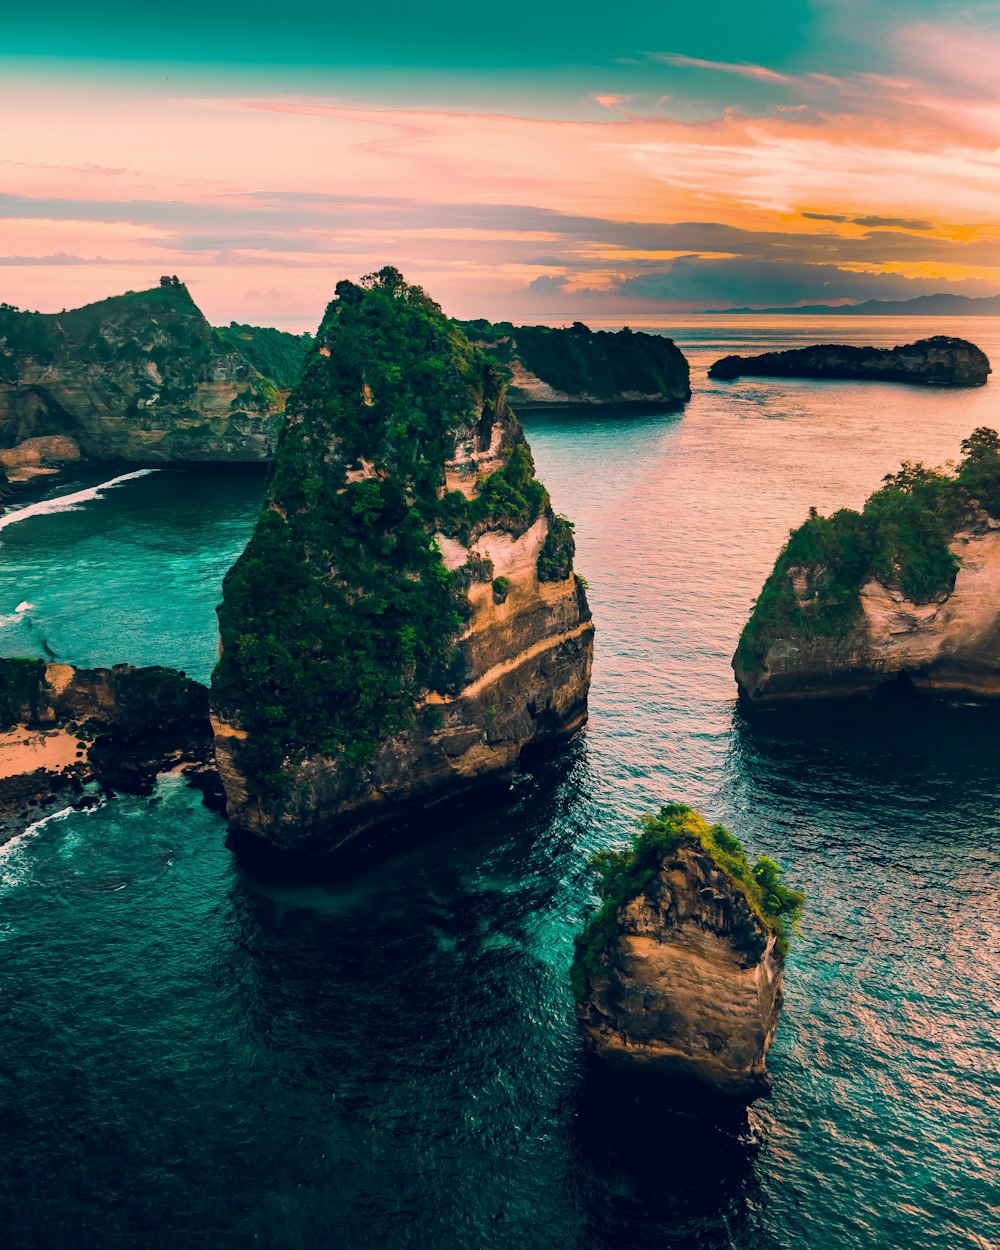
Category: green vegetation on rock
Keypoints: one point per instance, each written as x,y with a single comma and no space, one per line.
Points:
581,361
156,342
340,612
276,354
621,875
901,537
555,560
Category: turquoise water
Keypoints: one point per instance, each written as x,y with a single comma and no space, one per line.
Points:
196,1058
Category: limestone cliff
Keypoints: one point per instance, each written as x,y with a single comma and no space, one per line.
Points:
405,620
907,590
937,361
578,367
679,974
140,377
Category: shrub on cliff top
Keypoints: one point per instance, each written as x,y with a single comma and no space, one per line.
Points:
621,875
276,354
901,536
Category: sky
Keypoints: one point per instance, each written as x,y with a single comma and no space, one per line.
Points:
533,161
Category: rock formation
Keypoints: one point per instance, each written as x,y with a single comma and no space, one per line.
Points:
130,722
405,620
577,367
938,361
906,591
679,973
140,377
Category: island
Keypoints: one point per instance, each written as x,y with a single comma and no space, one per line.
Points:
937,361
405,621
140,377
548,368
903,594
678,974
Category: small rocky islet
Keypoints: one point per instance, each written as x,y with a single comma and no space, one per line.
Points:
678,974
936,361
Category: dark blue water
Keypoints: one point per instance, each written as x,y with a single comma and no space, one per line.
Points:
194,1058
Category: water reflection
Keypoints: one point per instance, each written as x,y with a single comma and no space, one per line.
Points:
655,1170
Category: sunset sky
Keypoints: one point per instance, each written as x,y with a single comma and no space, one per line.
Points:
528,160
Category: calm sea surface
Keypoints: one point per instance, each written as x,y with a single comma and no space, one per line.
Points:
192,1058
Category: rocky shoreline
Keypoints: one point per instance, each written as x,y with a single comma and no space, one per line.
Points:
68,735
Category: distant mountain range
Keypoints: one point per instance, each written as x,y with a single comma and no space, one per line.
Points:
922,306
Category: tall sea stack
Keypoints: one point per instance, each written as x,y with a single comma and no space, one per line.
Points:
405,620
678,974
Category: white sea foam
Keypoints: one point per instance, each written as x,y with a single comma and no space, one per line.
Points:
32,829
11,618
13,868
68,503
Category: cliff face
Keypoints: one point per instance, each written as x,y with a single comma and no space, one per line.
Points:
405,620
949,645
579,367
938,361
140,377
908,588
681,975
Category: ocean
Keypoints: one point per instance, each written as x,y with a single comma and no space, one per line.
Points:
194,1057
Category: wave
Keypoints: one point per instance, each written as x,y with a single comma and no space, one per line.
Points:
69,503
19,611
14,870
